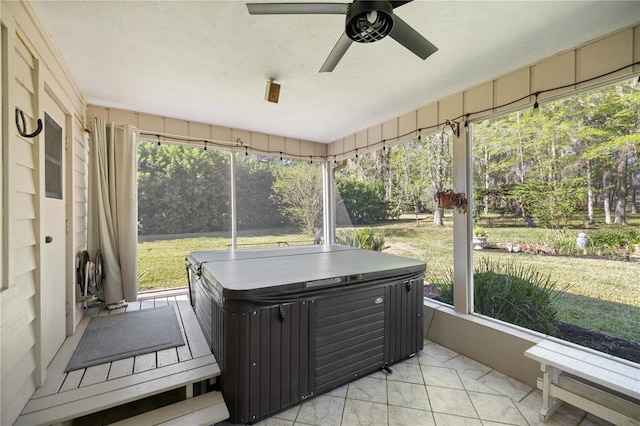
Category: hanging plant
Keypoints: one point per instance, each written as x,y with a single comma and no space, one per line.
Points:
448,199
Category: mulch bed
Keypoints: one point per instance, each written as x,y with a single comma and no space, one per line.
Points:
616,346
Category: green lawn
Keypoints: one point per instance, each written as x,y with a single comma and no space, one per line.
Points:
603,295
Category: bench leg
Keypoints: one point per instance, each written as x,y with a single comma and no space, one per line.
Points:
549,403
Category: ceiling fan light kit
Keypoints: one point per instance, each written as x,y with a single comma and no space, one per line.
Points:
367,21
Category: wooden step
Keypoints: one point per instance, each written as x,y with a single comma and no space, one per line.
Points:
206,409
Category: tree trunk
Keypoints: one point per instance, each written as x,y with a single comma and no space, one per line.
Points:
634,193
621,189
438,215
485,199
590,197
606,197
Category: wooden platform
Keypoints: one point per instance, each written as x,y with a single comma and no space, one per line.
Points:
66,396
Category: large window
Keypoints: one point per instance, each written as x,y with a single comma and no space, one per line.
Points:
556,195
184,205
385,200
279,201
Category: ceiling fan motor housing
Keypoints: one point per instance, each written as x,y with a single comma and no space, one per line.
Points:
369,21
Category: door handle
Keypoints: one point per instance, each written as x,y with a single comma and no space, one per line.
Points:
48,239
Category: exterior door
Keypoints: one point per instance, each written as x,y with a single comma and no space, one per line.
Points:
53,236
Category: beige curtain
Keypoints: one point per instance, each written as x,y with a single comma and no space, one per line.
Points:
113,209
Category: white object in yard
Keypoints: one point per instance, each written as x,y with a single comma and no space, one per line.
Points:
582,241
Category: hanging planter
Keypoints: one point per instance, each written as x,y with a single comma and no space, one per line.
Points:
448,199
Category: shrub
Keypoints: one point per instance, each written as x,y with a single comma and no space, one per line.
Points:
363,237
479,231
512,293
560,243
616,240
364,202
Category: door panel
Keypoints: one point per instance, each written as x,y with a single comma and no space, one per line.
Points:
53,233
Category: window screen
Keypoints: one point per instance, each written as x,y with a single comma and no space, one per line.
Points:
52,158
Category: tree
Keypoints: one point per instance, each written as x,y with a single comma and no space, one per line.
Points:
591,138
256,208
182,189
297,190
363,200
419,169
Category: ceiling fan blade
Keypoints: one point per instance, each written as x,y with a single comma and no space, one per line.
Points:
337,53
297,8
411,39
398,3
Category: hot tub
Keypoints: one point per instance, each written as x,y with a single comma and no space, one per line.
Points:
286,324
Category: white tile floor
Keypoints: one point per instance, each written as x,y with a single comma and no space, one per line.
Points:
438,387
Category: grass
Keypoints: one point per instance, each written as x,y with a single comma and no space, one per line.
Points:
603,294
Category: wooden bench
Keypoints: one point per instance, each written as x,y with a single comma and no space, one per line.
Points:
601,384
206,409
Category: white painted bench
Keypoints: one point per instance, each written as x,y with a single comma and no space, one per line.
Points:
205,409
601,384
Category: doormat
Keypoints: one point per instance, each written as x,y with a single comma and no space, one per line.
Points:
117,336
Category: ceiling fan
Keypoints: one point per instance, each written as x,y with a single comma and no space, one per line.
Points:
367,21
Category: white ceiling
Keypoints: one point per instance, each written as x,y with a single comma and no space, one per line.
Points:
209,60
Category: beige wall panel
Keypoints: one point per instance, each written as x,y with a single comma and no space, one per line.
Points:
24,101
349,144
389,131
428,117
24,232
276,144
604,55
25,262
477,99
320,149
80,175
97,112
331,148
307,149
407,126
219,133
26,203
14,377
150,123
362,139
24,74
23,152
511,87
80,223
450,108
120,117
24,179
23,52
19,300
17,308
337,147
19,344
259,141
173,126
374,134
292,146
243,135
199,130
556,71
81,168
